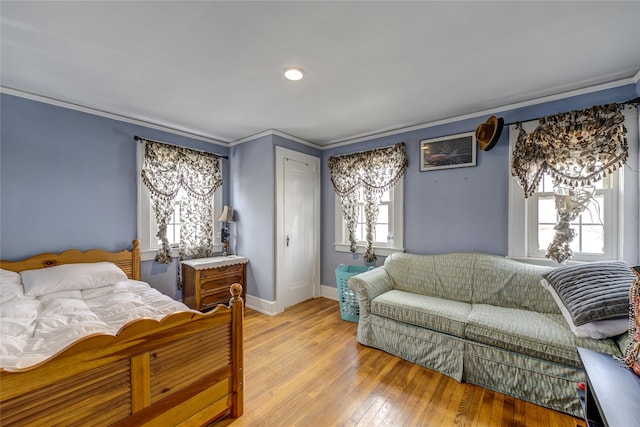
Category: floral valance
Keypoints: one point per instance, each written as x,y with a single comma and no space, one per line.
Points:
576,148
374,171
168,168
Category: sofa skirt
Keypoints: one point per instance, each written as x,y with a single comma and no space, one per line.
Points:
534,380
425,347
538,381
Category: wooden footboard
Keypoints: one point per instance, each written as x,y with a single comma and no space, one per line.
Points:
185,370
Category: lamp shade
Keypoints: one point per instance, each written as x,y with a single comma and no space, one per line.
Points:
227,215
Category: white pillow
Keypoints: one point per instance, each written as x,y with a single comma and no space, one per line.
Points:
69,277
596,330
7,276
10,285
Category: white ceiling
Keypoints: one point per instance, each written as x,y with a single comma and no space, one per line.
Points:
214,68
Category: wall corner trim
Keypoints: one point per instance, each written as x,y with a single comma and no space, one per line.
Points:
261,305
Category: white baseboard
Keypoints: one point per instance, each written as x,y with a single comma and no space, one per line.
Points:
269,307
329,292
261,305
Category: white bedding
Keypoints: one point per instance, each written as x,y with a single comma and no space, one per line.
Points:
32,329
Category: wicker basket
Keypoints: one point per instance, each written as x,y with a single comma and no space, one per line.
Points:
349,308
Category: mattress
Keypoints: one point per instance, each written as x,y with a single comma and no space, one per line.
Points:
33,329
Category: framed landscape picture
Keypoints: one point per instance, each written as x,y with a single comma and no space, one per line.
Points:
454,151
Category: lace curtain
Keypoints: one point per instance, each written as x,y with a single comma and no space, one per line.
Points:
166,170
577,149
374,172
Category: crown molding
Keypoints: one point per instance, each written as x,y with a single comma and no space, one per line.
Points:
108,115
483,113
331,144
277,133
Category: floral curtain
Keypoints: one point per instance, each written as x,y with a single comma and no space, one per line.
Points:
373,171
577,149
166,170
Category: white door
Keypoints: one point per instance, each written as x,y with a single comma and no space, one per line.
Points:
298,230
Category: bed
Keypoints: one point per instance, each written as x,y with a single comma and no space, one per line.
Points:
185,369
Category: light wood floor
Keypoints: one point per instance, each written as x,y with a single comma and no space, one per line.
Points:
304,368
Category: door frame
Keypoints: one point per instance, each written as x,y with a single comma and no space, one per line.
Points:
281,154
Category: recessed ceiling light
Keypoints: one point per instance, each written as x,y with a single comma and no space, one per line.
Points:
293,73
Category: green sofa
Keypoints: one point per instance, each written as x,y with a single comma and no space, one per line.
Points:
479,318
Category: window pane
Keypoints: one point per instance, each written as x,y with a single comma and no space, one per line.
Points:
592,239
594,214
381,233
176,235
386,197
575,243
545,236
383,214
546,210
359,232
546,184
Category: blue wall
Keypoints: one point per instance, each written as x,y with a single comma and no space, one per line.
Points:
253,196
464,209
68,180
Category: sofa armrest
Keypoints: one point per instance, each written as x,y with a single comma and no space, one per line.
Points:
369,285
623,342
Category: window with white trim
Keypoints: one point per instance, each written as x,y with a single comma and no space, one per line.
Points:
388,232
595,228
147,226
607,230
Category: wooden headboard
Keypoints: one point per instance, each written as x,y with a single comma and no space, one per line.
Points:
127,260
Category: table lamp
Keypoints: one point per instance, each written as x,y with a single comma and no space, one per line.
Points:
225,218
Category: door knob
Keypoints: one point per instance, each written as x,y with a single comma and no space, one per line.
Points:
287,241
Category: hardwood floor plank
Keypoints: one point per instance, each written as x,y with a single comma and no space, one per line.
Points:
304,368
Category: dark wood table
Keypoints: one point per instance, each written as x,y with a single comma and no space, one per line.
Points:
612,397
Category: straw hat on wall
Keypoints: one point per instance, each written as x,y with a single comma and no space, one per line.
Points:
488,133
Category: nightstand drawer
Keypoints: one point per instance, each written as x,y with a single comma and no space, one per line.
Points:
217,272
219,283
214,298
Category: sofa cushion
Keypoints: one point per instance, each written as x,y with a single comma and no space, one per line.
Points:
443,276
434,313
509,283
543,335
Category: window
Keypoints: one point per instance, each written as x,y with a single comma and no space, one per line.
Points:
595,228
607,229
389,227
173,227
147,226
381,234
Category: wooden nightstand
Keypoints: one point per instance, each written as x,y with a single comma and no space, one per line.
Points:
206,281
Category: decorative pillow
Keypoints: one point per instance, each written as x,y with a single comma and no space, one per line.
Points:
596,330
593,291
69,277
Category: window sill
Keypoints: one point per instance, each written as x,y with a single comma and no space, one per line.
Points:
545,261
378,250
